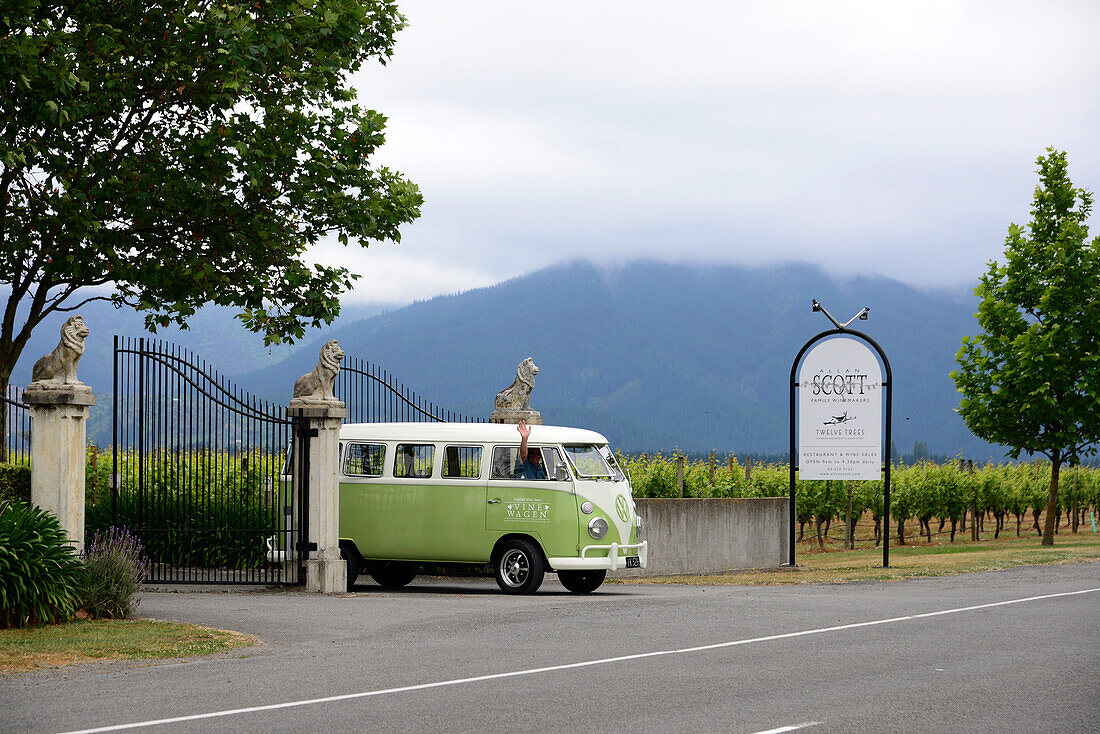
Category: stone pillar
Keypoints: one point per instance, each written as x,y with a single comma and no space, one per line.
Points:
326,571
59,418
316,410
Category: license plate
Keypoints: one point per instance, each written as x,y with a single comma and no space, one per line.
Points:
633,562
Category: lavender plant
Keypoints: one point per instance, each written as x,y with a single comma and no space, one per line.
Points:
116,568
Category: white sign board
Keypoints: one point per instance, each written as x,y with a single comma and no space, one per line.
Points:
840,411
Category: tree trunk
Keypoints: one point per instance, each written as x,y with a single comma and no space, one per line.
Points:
1017,526
817,526
801,530
828,522
901,532
878,531
1052,498
1075,522
953,523
850,529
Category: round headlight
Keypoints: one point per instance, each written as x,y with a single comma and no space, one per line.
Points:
586,508
597,528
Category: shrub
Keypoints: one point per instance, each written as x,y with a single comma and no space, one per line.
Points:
116,568
196,508
40,573
211,532
15,483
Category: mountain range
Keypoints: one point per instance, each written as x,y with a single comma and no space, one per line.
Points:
652,355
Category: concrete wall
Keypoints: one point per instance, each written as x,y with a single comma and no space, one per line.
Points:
696,536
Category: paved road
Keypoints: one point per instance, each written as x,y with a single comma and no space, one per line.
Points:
853,657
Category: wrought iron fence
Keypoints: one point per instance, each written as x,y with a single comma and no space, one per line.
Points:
372,395
199,465
15,419
198,471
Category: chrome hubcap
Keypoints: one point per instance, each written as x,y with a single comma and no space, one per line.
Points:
514,567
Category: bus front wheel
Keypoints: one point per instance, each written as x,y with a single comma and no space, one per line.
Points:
518,567
581,582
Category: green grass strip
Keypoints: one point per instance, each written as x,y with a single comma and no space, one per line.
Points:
22,650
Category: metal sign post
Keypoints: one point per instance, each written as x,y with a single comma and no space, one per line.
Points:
837,430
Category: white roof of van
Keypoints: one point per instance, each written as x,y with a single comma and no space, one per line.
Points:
464,432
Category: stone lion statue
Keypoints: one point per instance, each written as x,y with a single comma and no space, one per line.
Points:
316,385
517,396
60,365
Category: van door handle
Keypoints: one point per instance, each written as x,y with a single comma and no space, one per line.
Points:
494,502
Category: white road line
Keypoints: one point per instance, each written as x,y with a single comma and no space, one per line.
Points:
792,727
570,666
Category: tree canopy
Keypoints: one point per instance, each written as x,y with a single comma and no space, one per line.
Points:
169,154
1031,380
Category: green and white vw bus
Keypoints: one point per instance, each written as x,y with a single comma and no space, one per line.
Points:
447,493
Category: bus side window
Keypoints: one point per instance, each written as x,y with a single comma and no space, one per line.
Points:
414,460
462,462
364,459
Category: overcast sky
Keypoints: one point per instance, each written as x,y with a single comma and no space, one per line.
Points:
868,137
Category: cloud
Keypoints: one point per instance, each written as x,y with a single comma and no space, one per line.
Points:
867,137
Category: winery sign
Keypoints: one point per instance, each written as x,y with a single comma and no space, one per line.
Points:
840,411
840,383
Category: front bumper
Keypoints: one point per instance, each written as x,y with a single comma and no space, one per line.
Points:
611,562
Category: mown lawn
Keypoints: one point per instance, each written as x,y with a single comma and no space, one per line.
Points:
23,650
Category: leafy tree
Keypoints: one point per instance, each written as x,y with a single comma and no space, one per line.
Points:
168,154
1031,381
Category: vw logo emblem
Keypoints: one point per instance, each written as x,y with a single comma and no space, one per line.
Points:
622,509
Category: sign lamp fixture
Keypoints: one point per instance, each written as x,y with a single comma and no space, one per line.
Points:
862,315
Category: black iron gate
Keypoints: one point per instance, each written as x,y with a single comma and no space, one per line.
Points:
15,445
372,395
200,471
200,467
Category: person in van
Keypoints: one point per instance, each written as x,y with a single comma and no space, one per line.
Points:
529,465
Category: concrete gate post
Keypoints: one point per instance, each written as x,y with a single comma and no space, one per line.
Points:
326,571
59,406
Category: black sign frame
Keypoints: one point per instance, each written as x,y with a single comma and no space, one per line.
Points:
888,385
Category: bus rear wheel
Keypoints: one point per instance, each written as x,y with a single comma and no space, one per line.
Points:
581,582
518,567
393,574
353,562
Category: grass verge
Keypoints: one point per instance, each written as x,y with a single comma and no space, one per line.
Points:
910,561
23,650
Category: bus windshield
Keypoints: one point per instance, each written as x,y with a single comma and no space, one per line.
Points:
589,463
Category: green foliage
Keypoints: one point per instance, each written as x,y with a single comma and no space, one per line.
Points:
116,567
15,483
40,573
1031,380
925,491
186,153
215,533
200,509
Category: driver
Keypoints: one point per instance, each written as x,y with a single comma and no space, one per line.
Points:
530,462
